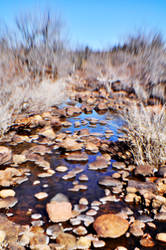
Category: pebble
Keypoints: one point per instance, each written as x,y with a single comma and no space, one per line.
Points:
80,230
36,216
83,201
41,195
98,243
4,193
61,169
91,212
161,237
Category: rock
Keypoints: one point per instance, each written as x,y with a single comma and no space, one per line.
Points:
48,132
37,240
122,248
147,241
61,169
161,237
59,211
84,242
109,181
70,144
119,165
68,241
91,147
82,156
77,124
136,228
5,155
8,202
132,197
71,111
83,201
142,185
101,106
54,230
110,225
144,170
91,212
162,171
160,216
41,195
19,159
36,216
80,230
7,193
98,164
98,243
2,236
83,177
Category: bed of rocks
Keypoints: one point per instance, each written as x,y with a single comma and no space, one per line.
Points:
68,180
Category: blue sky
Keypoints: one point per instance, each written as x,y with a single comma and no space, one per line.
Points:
97,23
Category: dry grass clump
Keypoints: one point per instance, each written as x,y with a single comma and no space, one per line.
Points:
146,134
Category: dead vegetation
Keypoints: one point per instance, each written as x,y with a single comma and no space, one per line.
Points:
146,134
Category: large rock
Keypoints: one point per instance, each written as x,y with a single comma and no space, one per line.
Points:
109,181
67,240
161,237
5,154
70,144
82,156
59,209
98,164
144,170
110,225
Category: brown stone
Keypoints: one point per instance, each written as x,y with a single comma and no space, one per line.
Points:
161,237
5,155
67,240
70,144
144,170
110,225
59,211
71,111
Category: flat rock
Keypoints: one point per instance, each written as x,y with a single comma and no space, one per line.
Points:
144,170
68,241
110,225
41,195
5,155
109,181
59,211
142,185
161,237
71,111
82,156
119,165
8,202
48,132
7,193
98,164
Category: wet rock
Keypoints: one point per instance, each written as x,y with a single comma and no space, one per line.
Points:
132,197
77,124
39,149
5,155
7,193
160,216
66,124
101,106
110,225
162,171
68,241
2,236
109,181
71,111
91,147
48,132
8,202
70,144
84,242
41,195
119,165
36,216
83,177
59,210
98,164
91,212
144,170
98,243
136,228
19,159
161,237
37,240
54,230
80,230
82,156
83,201
147,241
142,185
61,169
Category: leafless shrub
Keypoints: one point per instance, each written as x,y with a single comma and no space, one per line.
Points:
146,134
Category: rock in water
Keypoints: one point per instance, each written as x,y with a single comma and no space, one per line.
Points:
110,225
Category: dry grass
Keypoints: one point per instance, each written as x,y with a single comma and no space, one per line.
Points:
146,134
